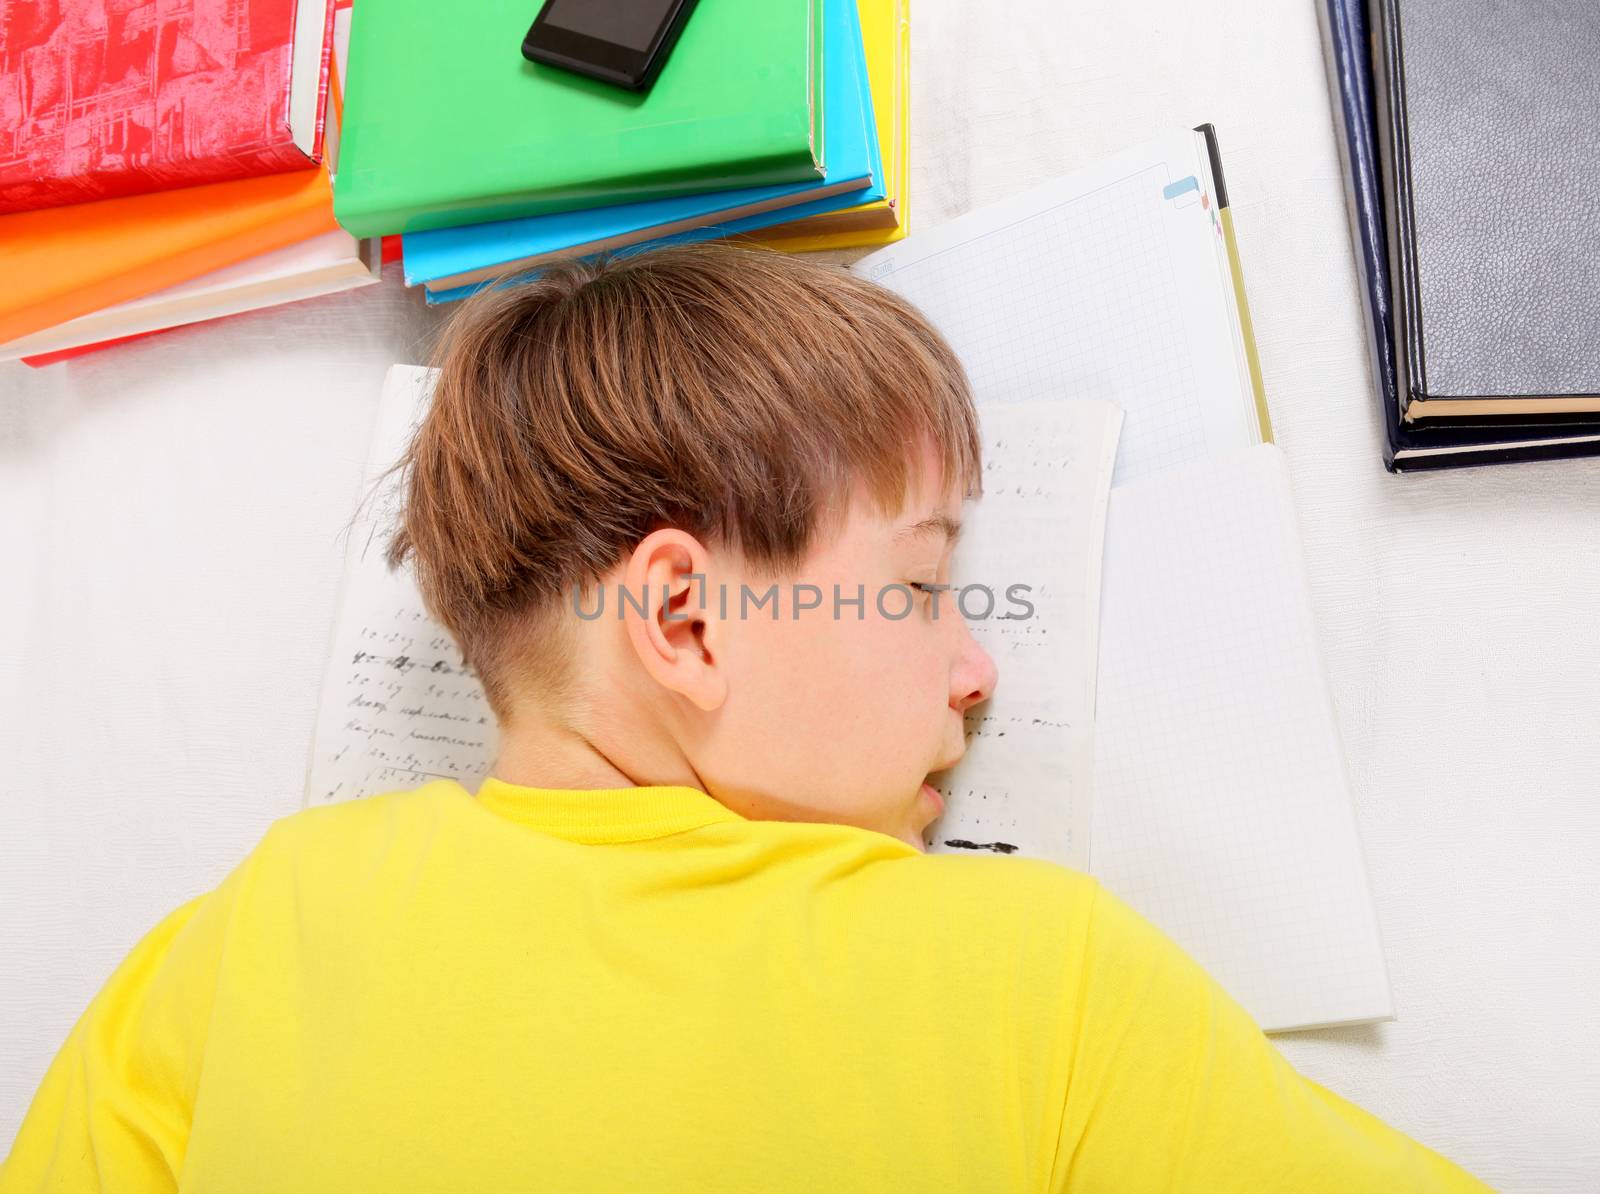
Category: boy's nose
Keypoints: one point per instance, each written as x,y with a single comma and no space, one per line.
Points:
974,676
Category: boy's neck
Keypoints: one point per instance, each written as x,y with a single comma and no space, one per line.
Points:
549,756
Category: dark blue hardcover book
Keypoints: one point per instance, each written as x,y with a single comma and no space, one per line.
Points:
1349,47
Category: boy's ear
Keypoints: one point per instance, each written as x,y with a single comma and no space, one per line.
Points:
665,610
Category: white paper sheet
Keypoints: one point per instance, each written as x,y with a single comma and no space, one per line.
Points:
1023,786
399,706
1104,283
1222,805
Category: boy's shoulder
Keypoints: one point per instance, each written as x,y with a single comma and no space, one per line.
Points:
1034,896
382,821
1004,907
1033,886
1016,922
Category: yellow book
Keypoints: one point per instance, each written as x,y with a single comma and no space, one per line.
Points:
886,39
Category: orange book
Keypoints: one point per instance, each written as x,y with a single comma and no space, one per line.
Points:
62,262
40,360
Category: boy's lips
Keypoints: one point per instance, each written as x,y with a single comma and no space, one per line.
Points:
930,791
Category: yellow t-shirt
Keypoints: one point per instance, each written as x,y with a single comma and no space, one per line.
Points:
639,989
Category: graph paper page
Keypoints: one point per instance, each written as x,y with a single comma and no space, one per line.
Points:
1222,809
399,706
1104,283
1023,786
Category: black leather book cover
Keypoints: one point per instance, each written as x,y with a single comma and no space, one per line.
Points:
1347,46
1489,150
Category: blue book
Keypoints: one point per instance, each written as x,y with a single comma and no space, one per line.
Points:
1345,43
453,262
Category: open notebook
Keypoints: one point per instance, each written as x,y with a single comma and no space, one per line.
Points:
1221,806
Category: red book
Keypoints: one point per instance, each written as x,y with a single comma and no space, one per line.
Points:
103,100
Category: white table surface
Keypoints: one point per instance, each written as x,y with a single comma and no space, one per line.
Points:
171,543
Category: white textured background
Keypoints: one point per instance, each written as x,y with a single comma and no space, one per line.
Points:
171,513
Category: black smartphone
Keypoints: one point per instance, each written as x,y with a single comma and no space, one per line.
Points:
619,41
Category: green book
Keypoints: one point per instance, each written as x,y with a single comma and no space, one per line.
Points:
445,123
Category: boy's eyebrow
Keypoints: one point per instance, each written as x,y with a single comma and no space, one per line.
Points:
943,524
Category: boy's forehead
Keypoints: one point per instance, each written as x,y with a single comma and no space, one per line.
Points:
924,519
930,507
929,512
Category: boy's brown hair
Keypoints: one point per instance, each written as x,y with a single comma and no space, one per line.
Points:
737,393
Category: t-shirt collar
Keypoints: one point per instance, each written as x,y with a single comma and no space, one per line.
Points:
599,815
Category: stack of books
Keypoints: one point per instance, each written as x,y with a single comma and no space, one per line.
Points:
782,122
162,164
1470,152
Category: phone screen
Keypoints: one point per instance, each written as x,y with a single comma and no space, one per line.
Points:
630,23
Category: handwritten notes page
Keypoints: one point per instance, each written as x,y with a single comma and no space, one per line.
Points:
1023,786
399,706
